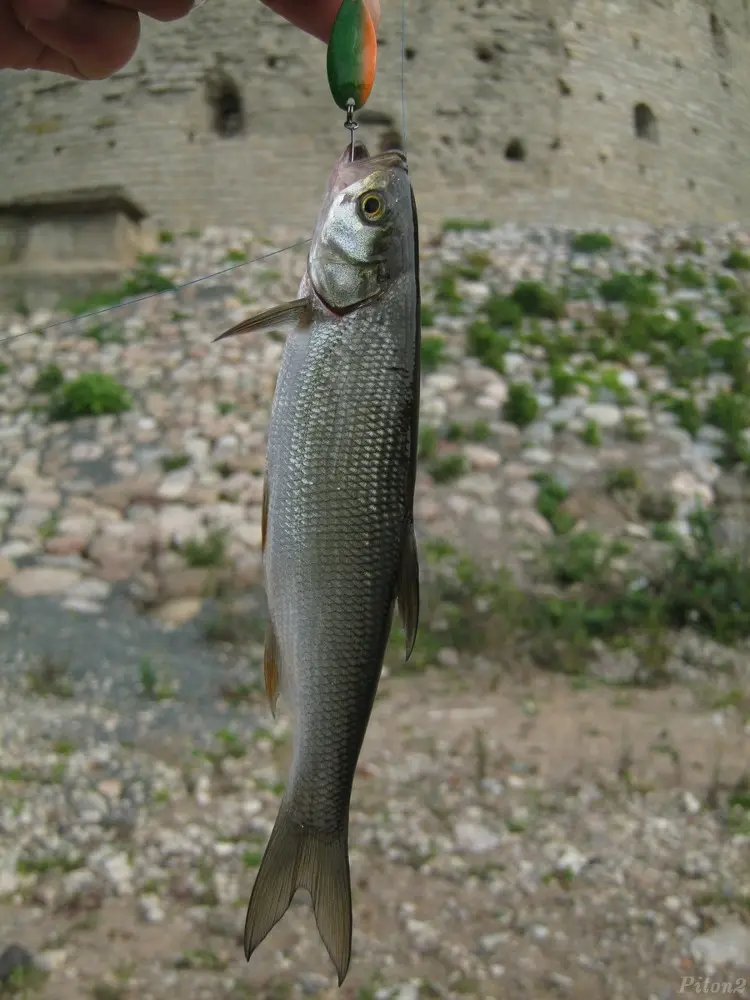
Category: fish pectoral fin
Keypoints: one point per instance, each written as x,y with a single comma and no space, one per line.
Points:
296,315
271,667
408,588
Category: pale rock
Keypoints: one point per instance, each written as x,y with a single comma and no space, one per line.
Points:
18,549
86,451
475,837
150,909
91,590
497,390
606,415
176,484
571,860
82,606
177,524
532,519
179,611
726,944
36,581
487,403
524,493
7,570
249,534
80,525
440,382
481,458
43,498
686,486
458,504
115,869
537,456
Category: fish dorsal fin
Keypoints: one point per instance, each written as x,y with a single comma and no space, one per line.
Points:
408,582
408,588
295,315
271,667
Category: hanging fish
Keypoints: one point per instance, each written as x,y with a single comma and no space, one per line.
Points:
338,530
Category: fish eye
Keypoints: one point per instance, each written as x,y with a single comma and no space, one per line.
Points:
372,206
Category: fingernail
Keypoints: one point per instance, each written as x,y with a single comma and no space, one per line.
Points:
374,8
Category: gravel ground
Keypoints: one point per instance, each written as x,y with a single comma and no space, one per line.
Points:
577,833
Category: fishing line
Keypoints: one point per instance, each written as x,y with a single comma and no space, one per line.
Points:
215,274
153,295
403,74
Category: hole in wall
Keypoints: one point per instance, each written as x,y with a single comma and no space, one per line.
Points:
112,143
391,139
515,151
410,53
371,116
483,52
718,35
644,123
556,143
227,108
600,97
724,82
678,63
563,87
696,130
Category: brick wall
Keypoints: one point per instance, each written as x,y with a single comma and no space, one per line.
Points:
516,110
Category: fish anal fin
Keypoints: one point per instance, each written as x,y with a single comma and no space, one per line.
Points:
264,514
271,667
408,588
295,315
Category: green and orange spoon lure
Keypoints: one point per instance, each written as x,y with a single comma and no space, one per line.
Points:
352,60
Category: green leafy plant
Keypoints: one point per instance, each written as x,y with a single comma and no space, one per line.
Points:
92,394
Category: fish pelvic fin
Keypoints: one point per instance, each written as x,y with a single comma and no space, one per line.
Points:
296,315
271,667
408,588
298,857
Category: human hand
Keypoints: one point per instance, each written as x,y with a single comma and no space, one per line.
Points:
91,39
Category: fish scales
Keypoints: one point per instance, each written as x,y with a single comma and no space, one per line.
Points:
338,469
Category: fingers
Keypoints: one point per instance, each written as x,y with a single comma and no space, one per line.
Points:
89,39
92,39
316,16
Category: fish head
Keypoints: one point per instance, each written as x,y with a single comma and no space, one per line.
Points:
364,236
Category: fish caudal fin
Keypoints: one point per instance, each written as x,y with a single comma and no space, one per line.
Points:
301,858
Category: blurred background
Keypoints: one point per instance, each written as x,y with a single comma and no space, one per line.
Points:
554,796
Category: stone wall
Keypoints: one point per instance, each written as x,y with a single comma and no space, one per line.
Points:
550,110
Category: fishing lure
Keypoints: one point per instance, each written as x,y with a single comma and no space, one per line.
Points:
352,60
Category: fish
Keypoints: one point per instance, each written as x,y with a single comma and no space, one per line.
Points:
338,540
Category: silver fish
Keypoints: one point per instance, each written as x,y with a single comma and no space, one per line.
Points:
338,531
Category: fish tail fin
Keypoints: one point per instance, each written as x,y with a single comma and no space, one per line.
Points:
297,857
